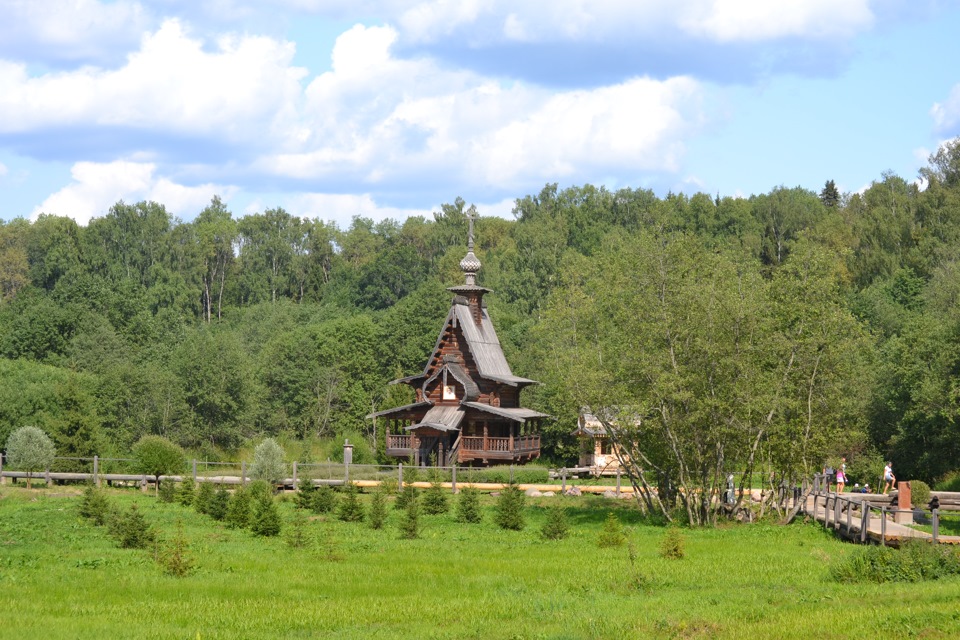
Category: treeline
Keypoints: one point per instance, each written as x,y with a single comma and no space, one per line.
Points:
218,330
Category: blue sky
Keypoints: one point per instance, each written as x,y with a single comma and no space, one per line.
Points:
335,108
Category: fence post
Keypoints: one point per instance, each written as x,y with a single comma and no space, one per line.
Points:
864,520
849,515
563,480
96,471
400,475
243,473
883,526
194,470
936,525
294,475
618,482
453,479
143,484
46,476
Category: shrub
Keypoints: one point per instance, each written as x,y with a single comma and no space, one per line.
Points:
526,474
468,506
259,490
378,508
219,504
611,535
324,499
350,509
915,561
410,523
29,449
435,500
204,497
175,556
268,464
390,485
949,482
407,495
185,492
555,527
238,509
157,456
919,493
265,519
306,490
167,492
509,509
95,506
297,535
131,530
672,544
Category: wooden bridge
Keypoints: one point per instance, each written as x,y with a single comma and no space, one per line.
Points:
878,518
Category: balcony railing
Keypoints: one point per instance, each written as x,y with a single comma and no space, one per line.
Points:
521,444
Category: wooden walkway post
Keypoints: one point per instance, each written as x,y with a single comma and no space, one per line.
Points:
96,471
194,469
563,480
936,525
400,475
618,482
243,474
883,526
294,475
453,479
864,520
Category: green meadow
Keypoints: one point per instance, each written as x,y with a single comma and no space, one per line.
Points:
62,577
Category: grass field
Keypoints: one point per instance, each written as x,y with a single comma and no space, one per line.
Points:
61,577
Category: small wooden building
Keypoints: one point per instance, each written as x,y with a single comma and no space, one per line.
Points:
467,409
598,453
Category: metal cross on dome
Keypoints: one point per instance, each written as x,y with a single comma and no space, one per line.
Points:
471,214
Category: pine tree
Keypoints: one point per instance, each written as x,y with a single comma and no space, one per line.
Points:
175,556
297,535
219,504
350,509
238,509
611,535
509,510
204,497
378,509
468,506
555,527
408,494
185,492
167,492
265,520
435,500
324,500
96,506
305,493
410,523
131,530
830,196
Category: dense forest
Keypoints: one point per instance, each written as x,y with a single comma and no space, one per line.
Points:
787,326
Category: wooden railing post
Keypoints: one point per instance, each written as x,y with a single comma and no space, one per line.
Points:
618,482
563,480
194,469
453,479
400,475
243,473
883,526
936,525
294,475
849,515
864,520
96,471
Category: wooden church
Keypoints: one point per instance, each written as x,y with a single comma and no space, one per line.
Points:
467,409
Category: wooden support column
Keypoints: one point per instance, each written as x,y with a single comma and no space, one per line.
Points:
485,436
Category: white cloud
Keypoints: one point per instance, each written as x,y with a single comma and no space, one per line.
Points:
341,208
98,186
946,114
245,89
3,170
758,20
69,29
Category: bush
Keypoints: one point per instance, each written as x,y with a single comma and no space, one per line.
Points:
672,544
259,490
219,504
156,456
204,497
378,508
526,474
297,535
350,509
324,499
915,561
435,500
362,453
265,519
131,530
509,510
949,482
410,523
390,485
167,492
185,492
555,527
468,506
238,509
407,495
174,556
29,449
306,490
611,535
919,493
95,506
268,464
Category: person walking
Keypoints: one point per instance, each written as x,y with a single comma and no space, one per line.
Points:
829,475
889,480
841,475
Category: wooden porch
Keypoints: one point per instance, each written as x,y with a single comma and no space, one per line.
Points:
470,448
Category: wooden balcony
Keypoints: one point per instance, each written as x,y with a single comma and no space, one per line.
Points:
519,449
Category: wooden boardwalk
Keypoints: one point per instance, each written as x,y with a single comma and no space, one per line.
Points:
867,518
